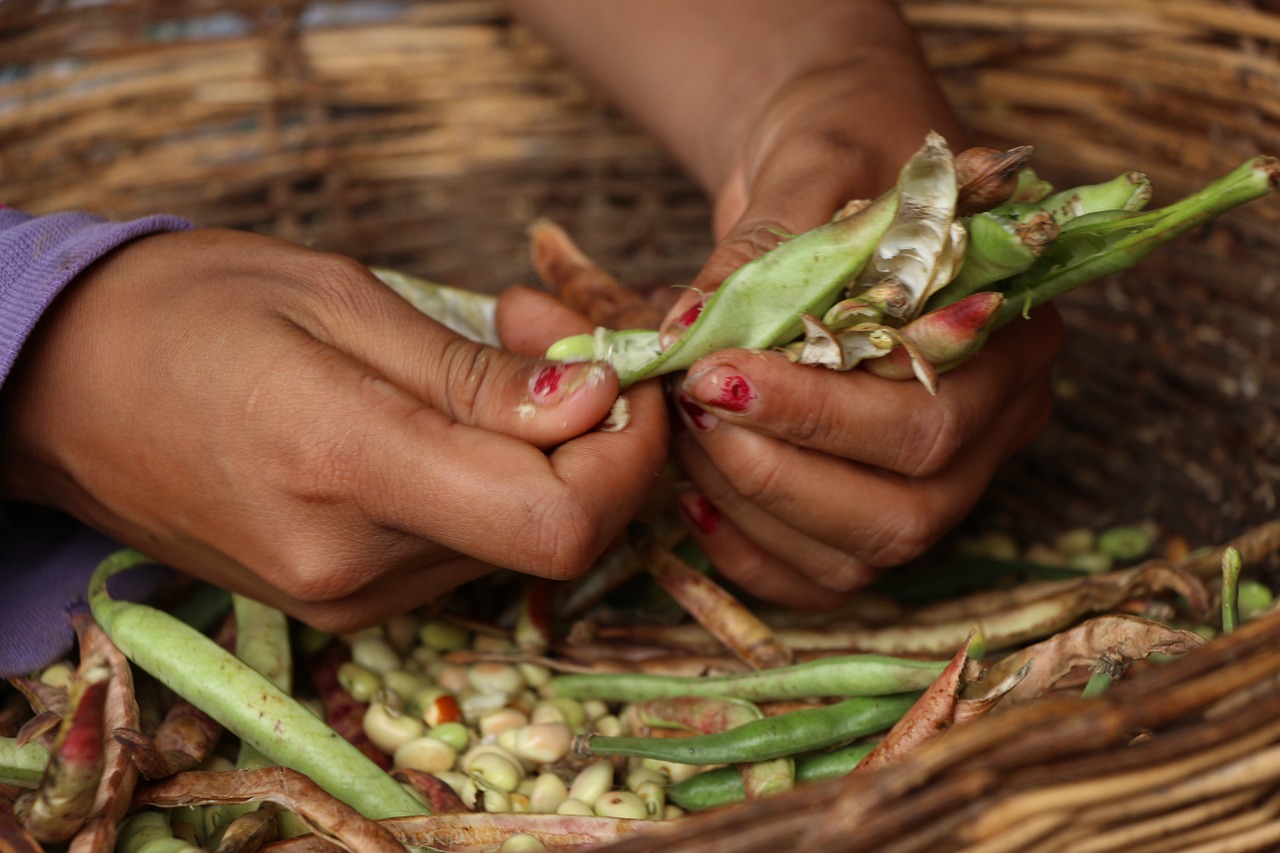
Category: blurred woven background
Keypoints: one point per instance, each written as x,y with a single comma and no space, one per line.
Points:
426,135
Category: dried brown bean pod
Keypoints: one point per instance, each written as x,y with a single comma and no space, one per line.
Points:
119,775
441,799
56,810
583,284
343,714
987,177
711,605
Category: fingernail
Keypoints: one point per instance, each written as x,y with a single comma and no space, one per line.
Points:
722,388
555,382
694,414
673,331
701,513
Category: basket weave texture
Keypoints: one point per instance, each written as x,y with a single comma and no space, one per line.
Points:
426,136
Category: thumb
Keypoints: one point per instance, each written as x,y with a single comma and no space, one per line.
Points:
540,402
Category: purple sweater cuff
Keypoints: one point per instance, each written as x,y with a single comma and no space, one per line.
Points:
46,558
39,256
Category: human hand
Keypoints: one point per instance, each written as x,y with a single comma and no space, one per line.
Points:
276,421
806,482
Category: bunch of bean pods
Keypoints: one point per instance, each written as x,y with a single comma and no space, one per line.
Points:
912,283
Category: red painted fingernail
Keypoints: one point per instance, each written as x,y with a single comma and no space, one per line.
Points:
557,381
695,414
691,316
547,381
701,513
724,389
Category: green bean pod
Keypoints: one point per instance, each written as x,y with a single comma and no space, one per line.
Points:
1002,243
1128,191
761,740
845,675
723,785
241,699
23,765
1100,244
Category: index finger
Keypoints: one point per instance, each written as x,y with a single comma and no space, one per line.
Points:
888,424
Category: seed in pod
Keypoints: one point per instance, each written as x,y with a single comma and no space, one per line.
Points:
359,682
443,636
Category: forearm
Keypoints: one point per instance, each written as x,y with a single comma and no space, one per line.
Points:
698,74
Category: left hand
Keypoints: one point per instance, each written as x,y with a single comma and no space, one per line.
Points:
805,481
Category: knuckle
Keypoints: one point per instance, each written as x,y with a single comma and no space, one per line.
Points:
466,368
934,437
563,540
901,536
343,281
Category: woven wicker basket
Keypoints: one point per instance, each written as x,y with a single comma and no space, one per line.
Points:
426,136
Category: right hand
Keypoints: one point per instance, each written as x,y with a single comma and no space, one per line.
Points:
276,421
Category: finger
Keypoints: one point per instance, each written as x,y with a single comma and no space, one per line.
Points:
892,425
529,321
409,468
538,402
877,517
746,564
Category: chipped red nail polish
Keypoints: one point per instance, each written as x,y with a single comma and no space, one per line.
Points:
701,512
547,381
695,414
688,318
736,394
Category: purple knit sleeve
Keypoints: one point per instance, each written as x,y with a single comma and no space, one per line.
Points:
46,557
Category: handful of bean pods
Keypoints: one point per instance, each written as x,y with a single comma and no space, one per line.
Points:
913,282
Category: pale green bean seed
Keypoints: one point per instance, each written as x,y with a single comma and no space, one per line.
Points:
496,678
654,797
424,657
675,773
496,801
468,793
1093,562
403,684
641,775
592,781
359,682
1124,543
506,740
427,754
519,802
495,771
544,712
522,842
594,709
216,764
453,779
453,677
476,704
609,725
549,791
401,630
570,709
1079,540
622,804
443,636
464,764
672,812
535,675
502,720
543,743
389,729
375,653
454,734
575,807
491,643
526,785
60,674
